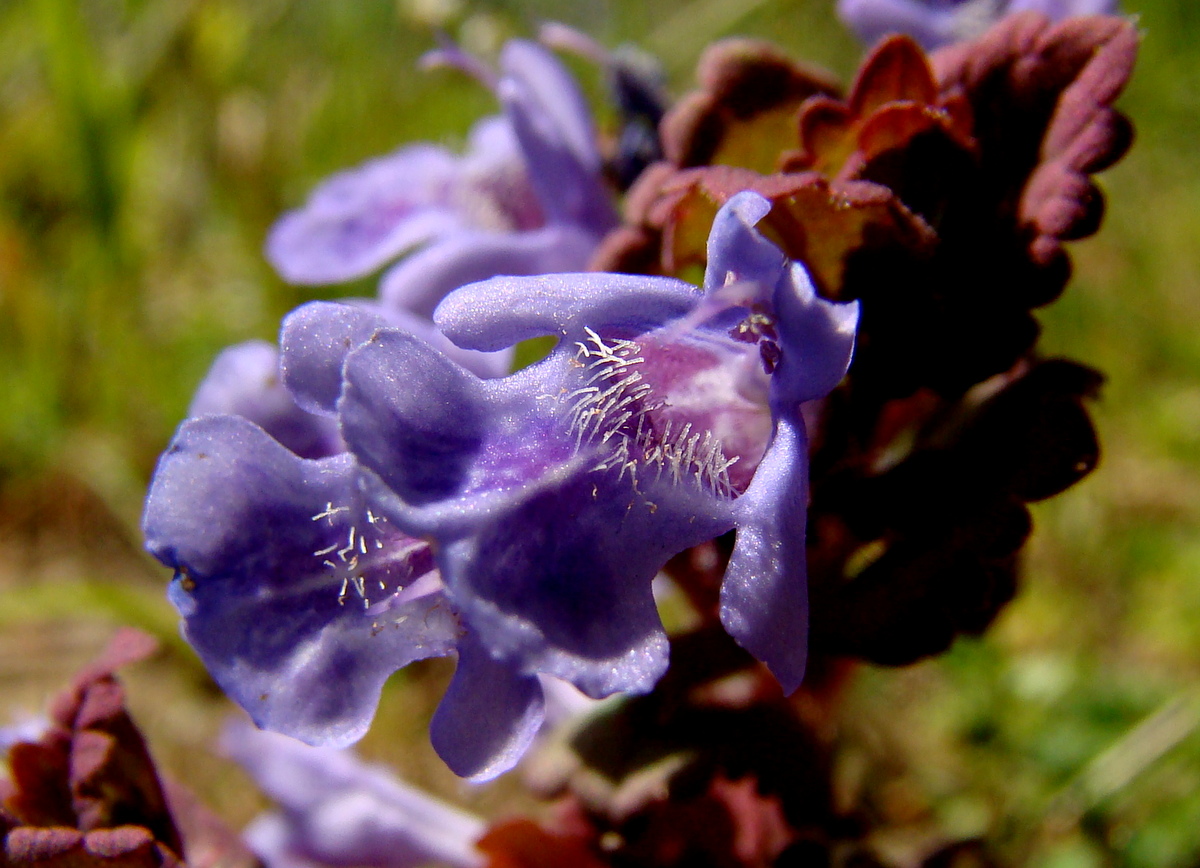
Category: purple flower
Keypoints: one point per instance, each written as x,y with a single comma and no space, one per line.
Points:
933,23
663,418
335,810
526,198
302,601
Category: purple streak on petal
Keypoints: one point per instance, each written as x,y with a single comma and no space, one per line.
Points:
422,280
764,595
361,218
562,583
245,523
506,310
245,381
488,716
338,810
413,416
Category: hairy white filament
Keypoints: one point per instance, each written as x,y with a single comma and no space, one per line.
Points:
611,410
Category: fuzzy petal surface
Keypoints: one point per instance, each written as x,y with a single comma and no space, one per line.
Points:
422,280
261,543
361,218
764,595
488,716
245,380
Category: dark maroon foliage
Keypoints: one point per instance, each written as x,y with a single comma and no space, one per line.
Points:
939,192
87,793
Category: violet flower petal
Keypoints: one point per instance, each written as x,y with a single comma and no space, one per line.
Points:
315,340
817,338
506,310
764,595
568,593
361,218
317,337
934,23
487,717
1056,10
255,535
245,380
422,280
930,23
417,419
737,252
552,124
336,810
556,95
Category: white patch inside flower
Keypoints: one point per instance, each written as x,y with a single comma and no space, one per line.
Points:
613,410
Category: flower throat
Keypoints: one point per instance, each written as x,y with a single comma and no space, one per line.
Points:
616,412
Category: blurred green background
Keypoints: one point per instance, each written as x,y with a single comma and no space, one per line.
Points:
145,148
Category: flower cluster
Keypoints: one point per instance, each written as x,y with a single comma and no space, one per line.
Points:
664,417
383,488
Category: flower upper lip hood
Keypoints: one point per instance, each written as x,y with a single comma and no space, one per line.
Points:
934,23
526,198
664,417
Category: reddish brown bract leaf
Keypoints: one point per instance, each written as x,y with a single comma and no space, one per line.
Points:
1043,96
524,844
748,98
87,792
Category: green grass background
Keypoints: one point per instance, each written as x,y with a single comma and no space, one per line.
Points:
145,148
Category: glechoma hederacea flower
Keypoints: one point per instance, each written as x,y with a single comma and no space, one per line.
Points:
301,600
527,197
933,23
664,417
